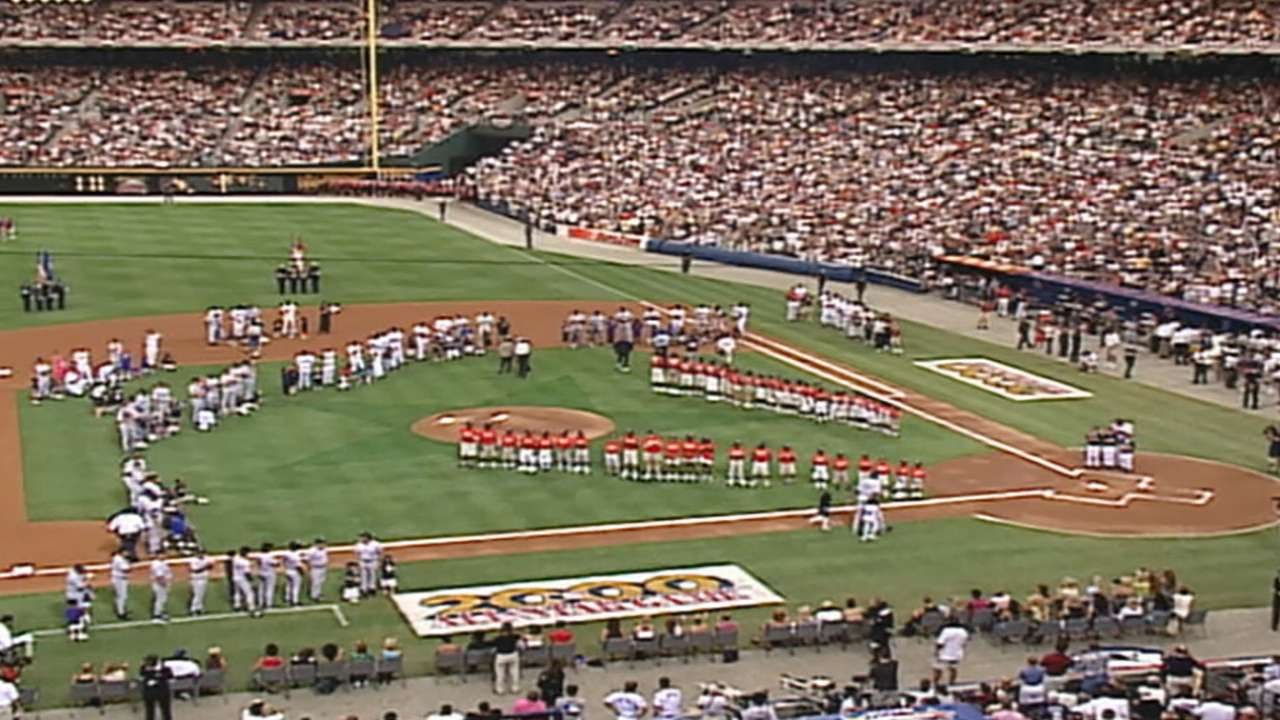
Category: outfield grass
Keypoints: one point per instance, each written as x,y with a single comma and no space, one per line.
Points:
347,462
941,558
191,256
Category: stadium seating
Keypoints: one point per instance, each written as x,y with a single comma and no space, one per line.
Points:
1249,23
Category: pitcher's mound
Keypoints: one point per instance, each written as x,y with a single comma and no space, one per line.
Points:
444,426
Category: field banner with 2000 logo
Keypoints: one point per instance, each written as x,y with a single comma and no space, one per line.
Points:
452,611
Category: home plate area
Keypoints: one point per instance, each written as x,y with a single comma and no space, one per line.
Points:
1168,495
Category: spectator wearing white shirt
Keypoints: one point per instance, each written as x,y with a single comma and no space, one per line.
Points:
10,699
949,650
1104,707
1215,709
1183,601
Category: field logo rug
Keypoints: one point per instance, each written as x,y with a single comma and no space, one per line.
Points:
1006,381
593,598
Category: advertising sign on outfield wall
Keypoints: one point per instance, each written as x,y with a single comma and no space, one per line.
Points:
452,611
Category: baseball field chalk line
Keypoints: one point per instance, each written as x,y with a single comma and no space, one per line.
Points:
335,610
809,363
815,366
610,527
1111,536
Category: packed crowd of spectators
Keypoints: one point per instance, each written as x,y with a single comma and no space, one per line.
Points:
310,21
150,117
125,22
433,20
1165,186
1171,186
1249,23
1117,22
35,104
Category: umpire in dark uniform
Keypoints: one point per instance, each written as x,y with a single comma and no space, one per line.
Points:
156,694
282,278
1275,602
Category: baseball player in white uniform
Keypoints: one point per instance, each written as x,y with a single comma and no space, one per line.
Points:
213,325
328,367
291,561
151,350
198,569
120,583
268,564
289,319
741,312
868,520
306,363
317,558
369,557
244,597
78,587
161,581
43,386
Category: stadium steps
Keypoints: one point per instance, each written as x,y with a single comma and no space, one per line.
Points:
1196,134
248,101
96,11
255,13
620,12
87,104
711,21
494,7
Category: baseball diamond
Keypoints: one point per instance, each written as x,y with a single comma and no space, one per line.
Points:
412,452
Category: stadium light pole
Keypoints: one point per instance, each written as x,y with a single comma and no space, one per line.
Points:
371,13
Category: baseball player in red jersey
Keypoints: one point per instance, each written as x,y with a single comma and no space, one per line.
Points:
893,421
690,450
737,475
488,447
918,477
714,380
652,447
840,471
658,373
546,452
581,454
510,445
760,466
787,464
630,456
671,459
529,453
820,470
613,457
865,467
706,460
468,444
564,452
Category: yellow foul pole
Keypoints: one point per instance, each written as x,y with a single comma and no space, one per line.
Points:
371,13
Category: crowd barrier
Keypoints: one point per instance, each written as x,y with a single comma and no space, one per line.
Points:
1049,289
781,263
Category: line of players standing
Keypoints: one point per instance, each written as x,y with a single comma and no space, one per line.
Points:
258,581
1111,447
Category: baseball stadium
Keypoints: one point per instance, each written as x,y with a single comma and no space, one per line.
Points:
729,359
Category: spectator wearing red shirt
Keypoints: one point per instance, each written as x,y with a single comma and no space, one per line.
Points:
561,634
1057,662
